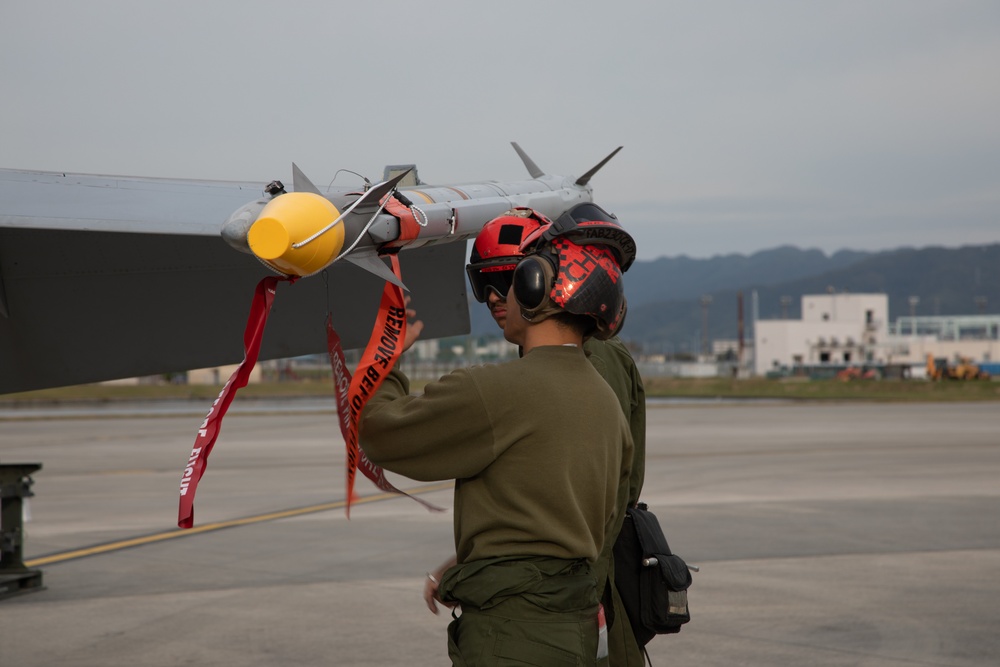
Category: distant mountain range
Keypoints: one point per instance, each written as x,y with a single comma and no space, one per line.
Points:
664,295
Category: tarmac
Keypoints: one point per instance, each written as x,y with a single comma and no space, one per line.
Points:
828,534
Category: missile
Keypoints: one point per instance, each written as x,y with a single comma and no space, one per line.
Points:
302,232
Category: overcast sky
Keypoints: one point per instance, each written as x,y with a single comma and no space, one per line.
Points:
746,125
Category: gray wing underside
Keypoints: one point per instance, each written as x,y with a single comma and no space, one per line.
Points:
51,200
104,278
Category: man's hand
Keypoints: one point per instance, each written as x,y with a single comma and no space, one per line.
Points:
431,584
413,327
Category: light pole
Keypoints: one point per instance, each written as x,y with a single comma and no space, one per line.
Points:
706,300
914,300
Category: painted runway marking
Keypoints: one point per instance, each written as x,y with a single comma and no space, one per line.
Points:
219,525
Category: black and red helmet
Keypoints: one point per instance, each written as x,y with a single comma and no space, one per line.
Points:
497,250
588,224
561,276
575,265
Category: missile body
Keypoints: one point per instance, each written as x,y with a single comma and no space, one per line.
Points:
300,233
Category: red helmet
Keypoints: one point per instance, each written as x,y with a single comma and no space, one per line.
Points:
497,250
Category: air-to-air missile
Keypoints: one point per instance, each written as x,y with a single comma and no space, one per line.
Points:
300,233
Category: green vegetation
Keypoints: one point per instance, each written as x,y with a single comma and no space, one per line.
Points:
661,387
805,389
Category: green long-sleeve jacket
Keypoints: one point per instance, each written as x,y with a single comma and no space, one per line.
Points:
612,360
539,448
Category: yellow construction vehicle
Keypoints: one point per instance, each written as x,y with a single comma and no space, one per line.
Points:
938,368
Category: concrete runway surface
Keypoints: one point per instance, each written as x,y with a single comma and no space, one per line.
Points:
827,534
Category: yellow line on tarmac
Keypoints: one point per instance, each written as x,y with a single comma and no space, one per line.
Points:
219,525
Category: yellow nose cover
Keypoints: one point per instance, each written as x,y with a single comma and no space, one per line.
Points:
292,218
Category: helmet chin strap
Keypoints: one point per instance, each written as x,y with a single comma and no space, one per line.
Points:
537,315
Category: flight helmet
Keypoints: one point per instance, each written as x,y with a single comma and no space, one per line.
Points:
575,265
497,250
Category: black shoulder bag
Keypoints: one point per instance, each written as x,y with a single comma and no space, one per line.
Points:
652,582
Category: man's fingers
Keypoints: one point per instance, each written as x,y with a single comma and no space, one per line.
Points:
430,590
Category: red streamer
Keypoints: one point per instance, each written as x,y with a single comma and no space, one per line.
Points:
383,350
208,432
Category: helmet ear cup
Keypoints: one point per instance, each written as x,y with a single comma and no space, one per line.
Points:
532,283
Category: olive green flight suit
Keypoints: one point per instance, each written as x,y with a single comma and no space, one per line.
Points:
613,361
525,611
541,454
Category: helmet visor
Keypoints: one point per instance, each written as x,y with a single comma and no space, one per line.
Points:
492,275
582,214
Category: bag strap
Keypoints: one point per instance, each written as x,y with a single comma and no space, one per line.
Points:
647,529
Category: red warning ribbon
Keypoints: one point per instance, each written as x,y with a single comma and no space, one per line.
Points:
208,432
383,350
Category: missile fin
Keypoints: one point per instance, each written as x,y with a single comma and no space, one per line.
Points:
301,183
373,196
583,180
528,162
371,263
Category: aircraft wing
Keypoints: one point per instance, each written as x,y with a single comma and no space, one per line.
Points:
106,277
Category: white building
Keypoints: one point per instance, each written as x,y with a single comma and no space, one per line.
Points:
951,337
854,330
836,329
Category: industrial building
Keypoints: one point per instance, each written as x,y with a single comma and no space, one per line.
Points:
840,330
